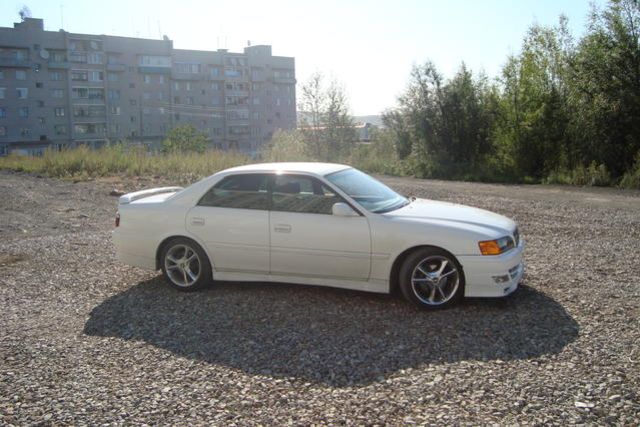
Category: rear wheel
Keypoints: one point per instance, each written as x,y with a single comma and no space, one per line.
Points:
431,278
185,265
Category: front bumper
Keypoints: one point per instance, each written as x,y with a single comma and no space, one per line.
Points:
493,276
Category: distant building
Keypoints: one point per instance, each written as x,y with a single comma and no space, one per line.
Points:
59,89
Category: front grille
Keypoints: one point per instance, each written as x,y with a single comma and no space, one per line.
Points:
516,236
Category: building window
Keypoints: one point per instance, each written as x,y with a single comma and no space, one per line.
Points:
203,92
188,85
256,101
3,112
21,75
146,96
80,92
59,111
39,85
146,78
79,75
133,102
133,119
55,75
58,56
187,68
2,92
160,96
112,77
176,85
22,92
132,85
190,100
115,110
24,112
60,129
155,61
40,103
90,128
57,93
161,79
146,110
215,71
114,94
278,102
96,76
94,58
1,74
25,131
3,131
215,86
41,120
115,128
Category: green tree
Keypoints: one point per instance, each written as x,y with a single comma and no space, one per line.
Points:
606,88
326,124
183,139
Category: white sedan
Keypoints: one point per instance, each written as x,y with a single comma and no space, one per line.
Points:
318,224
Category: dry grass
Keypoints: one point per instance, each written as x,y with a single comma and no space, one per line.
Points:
83,163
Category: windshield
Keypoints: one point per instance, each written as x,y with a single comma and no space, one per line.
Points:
370,193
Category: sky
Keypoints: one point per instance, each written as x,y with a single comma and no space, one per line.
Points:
368,46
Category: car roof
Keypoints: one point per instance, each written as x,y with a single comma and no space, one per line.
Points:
317,168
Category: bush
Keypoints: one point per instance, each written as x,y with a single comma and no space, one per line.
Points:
184,139
631,178
593,175
287,146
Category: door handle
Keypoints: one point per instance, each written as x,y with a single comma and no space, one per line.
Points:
197,221
282,228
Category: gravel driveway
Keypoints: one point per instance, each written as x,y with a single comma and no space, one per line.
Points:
85,340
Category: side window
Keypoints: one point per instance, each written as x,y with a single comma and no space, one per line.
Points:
296,193
240,192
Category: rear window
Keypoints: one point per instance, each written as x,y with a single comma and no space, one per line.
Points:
240,192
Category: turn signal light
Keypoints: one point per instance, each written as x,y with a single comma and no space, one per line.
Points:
489,247
496,247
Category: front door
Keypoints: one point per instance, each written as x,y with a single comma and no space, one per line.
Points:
307,240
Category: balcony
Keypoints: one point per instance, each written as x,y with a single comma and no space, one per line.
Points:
14,62
63,65
284,80
188,76
145,69
231,92
116,67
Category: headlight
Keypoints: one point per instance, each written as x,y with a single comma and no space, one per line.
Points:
496,247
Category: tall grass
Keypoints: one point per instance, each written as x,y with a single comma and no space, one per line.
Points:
84,163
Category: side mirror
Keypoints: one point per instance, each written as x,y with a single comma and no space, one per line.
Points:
343,209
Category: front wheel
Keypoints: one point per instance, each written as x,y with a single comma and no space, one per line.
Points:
185,265
431,278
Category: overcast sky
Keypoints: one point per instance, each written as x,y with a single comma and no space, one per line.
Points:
369,46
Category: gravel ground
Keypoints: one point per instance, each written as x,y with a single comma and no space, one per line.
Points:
85,340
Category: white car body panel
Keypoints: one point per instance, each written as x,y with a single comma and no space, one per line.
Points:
356,252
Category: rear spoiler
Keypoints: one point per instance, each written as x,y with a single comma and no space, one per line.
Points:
130,197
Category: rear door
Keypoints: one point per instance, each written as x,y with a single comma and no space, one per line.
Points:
232,219
307,240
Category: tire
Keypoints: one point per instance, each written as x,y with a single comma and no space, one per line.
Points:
185,265
431,278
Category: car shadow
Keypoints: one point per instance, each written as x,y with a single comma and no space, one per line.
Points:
329,336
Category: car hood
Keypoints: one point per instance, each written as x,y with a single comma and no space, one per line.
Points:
455,215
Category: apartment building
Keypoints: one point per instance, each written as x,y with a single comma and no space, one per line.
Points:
60,89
